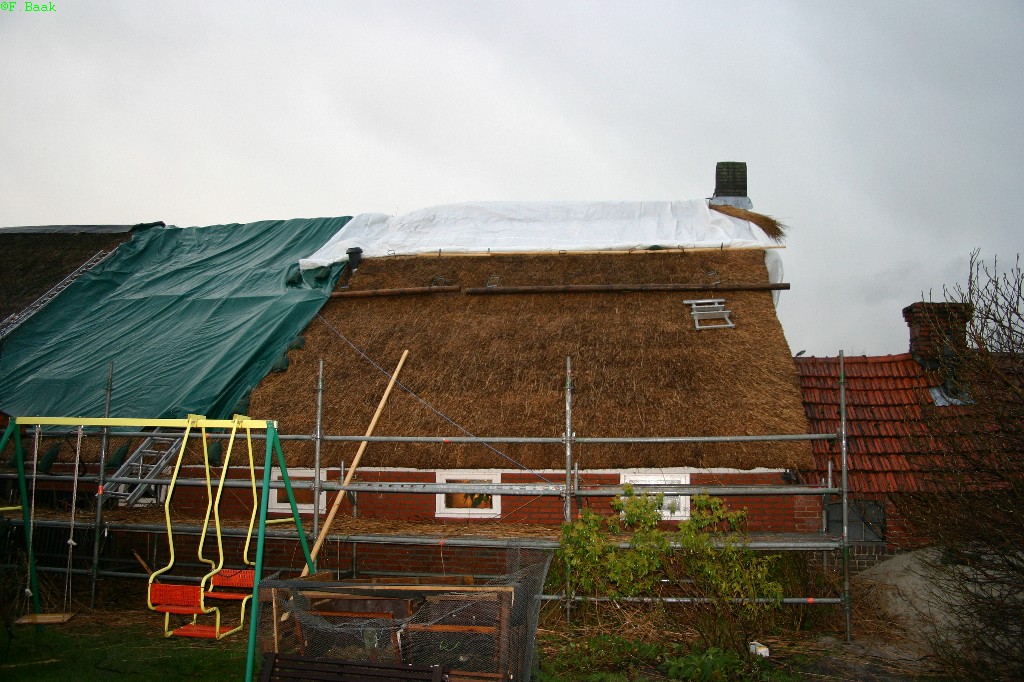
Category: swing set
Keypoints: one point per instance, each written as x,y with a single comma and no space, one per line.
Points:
169,593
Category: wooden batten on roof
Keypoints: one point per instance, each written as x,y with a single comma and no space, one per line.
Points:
496,364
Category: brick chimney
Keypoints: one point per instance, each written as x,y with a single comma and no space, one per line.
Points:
731,185
935,330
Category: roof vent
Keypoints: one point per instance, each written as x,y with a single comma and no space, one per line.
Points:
731,185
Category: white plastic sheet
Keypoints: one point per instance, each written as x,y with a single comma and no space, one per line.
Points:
516,227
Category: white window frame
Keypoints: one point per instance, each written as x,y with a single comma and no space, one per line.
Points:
681,502
276,507
484,476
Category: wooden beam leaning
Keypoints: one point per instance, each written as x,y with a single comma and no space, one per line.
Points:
355,463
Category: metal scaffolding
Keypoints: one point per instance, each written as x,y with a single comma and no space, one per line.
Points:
568,491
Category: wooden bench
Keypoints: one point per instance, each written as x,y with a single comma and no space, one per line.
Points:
285,668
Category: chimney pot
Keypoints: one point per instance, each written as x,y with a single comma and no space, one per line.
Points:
731,185
355,257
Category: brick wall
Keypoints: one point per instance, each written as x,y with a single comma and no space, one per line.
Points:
768,513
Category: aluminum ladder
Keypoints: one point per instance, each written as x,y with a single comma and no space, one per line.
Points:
11,322
145,464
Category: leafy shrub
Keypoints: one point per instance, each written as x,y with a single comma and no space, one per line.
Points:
716,664
710,563
602,653
734,585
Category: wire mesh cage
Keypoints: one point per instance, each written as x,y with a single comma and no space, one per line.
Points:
475,630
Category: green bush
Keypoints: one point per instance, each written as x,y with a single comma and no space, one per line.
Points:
738,594
709,563
714,664
603,653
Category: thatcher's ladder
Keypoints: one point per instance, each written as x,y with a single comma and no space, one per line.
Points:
12,322
146,463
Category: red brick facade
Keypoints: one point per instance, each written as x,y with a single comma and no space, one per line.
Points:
766,513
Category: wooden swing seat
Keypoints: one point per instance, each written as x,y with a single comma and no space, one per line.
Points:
44,618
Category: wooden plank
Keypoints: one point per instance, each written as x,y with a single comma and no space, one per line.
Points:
619,288
361,615
346,588
564,252
44,618
437,627
412,580
407,291
285,667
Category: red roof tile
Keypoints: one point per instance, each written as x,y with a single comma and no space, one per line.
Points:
887,440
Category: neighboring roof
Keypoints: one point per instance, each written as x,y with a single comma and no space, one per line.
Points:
191,317
34,263
495,365
69,229
549,227
890,438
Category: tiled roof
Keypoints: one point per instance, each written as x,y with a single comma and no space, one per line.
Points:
888,445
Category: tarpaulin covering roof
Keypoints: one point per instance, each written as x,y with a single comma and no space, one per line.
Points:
517,227
192,318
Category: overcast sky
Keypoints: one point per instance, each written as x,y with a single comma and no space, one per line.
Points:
887,135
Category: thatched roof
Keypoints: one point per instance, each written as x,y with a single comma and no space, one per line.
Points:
33,263
496,364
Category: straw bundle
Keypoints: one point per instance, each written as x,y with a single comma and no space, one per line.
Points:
775,230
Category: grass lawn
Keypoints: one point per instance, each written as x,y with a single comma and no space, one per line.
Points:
136,651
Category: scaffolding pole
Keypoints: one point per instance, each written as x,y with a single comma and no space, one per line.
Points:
511,489
567,507
845,486
527,440
318,434
567,503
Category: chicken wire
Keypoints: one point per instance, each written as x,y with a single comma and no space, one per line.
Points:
483,630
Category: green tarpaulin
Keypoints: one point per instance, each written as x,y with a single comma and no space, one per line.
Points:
192,318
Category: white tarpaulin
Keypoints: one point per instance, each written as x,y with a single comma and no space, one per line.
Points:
511,227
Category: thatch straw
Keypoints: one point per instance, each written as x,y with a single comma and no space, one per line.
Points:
495,365
775,230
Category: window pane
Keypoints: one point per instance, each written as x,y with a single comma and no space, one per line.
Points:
468,500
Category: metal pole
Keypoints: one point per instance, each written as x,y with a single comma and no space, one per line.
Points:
19,455
824,513
317,439
698,600
99,490
567,509
511,489
355,514
552,440
261,537
845,496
